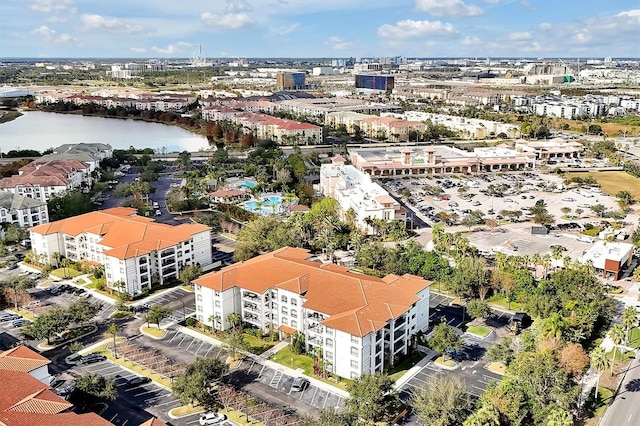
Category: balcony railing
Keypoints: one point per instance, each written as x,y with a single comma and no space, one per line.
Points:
168,253
251,307
250,296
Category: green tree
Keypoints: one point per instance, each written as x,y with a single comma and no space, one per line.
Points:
190,273
485,416
113,331
478,308
502,351
445,339
625,198
71,204
156,314
236,343
97,386
81,311
471,274
629,319
234,320
198,378
372,397
598,209
617,335
600,362
444,402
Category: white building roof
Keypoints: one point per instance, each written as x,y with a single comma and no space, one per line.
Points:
602,251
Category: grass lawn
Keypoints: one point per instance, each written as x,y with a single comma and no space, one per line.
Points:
604,399
400,369
187,288
256,345
447,363
497,367
154,332
238,418
185,410
503,303
287,358
613,182
634,338
46,283
622,356
28,315
65,273
479,330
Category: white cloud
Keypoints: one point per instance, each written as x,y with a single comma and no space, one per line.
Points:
338,43
137,49
471,41
52,36
284,29
228,21
173,49
417,29
112,25
520,36
48,6
452,8
238,6
492,1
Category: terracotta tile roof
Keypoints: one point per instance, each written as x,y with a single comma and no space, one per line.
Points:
21,359
126,233
26,401
299,208
227,193
287,329
49,173
356,303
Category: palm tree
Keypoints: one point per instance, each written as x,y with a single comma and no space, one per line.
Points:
215,320
629,319
65,264
616,334
113,331
55,259
556,253
234,319
600,362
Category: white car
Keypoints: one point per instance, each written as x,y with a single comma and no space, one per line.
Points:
212,418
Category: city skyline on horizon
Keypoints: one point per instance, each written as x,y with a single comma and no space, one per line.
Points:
296,29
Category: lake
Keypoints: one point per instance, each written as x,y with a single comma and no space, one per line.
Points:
41,130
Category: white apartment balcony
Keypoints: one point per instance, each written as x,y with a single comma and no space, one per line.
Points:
251,307
251,296
252,318
315,341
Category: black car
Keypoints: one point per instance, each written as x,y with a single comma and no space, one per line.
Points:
92,358
137,381
19,256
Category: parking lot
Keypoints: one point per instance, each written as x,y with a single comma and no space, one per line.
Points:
181,302
134,405
252,375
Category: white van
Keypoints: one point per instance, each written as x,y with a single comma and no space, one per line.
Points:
585,239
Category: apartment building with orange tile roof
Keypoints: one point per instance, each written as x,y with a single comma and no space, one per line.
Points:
360,322
44,180
134,250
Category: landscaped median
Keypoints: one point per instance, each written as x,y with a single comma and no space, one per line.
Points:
153,332
479,330
448,364
185,410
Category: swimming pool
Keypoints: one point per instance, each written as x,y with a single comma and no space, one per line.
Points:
265,205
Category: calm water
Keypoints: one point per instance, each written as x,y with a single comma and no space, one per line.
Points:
41,130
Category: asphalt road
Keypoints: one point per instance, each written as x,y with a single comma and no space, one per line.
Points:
624,409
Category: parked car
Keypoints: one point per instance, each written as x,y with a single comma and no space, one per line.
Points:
8,317
92,358
137,381
299,384
212,418
158,213
20,322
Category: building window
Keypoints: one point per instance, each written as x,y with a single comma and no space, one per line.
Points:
328,355
354,351
199,308
294,302
355,339
329,343
294,324
285,321
217,303
199,298
285,311
354,376
354,365
294,313
283,299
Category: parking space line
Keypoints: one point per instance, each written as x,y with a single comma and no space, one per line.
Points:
174,336
145,392
199,347
205,355
260,374
191,343
184,337
314,396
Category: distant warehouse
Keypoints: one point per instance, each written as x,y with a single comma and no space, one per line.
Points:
374,83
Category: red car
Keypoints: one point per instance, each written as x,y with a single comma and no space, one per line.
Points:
445,198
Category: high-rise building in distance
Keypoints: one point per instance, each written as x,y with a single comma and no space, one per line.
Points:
378,83
290,80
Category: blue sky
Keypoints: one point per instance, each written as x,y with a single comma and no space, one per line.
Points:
320,28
